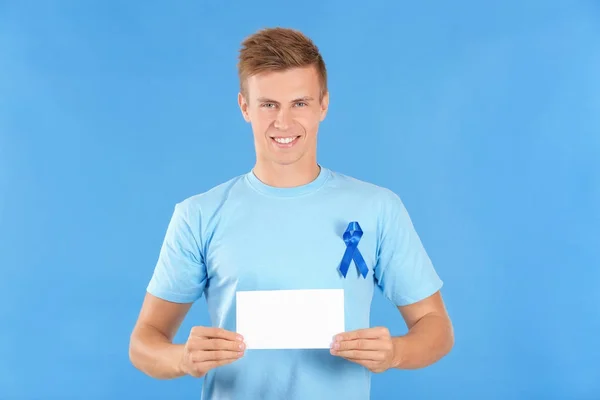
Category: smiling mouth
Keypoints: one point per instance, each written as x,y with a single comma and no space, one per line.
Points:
285,142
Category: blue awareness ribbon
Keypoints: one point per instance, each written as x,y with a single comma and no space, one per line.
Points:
351,237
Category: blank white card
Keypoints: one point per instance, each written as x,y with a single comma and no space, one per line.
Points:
289,319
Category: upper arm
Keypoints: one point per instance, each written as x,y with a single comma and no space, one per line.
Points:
162,315
179,277
432,305
403,271
180,274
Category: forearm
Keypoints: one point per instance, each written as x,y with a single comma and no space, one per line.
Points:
430,339
152,353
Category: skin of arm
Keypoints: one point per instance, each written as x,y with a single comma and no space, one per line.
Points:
151,348
430,334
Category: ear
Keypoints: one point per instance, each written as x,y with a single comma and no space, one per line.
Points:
324,105
243,107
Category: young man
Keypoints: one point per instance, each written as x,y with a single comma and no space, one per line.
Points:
281,226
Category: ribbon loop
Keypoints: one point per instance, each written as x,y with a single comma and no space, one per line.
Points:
351,237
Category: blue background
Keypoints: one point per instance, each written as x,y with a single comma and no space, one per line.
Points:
484,118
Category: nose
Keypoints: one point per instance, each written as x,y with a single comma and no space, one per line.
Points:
282,121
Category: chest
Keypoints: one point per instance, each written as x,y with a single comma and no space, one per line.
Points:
290,248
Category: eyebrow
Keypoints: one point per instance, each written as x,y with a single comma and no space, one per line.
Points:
267,100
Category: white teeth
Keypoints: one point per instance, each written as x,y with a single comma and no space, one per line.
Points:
284,140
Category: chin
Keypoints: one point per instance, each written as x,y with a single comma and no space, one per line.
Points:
286,160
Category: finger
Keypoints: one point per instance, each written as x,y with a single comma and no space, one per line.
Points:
219,344
215,355
367,333
215,333
208,365
371,365
360,355
360,344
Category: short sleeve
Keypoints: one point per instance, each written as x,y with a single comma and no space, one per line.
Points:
180,273
403,271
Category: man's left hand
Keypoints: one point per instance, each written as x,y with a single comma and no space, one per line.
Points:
372,348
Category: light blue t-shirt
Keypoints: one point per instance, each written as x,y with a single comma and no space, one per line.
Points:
245,235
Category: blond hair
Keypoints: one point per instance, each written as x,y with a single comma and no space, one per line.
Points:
279,49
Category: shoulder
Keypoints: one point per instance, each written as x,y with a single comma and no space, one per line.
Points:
211,200
369,192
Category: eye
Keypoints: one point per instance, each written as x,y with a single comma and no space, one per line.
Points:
301,104
268,105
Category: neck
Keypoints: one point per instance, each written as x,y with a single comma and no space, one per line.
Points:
286,176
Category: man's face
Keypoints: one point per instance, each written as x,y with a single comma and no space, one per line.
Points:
284,111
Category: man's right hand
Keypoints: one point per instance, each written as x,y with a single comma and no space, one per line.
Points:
208,348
